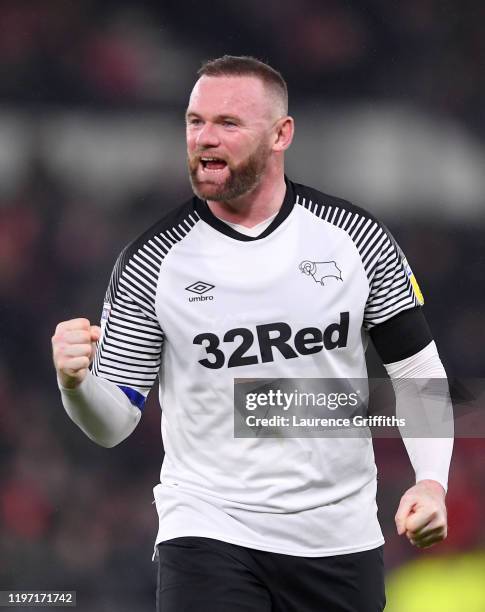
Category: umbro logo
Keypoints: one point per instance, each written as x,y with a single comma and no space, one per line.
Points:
200,287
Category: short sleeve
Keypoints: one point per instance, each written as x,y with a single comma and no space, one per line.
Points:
129,350
393,286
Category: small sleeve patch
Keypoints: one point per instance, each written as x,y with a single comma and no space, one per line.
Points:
414,282
105,316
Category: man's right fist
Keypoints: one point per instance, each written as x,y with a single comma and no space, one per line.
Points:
73,348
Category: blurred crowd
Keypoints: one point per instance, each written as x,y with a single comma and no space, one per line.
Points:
76,516
126,53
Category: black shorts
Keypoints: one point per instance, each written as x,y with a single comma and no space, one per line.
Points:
205,575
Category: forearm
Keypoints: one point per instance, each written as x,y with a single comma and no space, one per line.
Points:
101,410
430,456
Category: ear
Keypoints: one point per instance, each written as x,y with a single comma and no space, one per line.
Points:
283,133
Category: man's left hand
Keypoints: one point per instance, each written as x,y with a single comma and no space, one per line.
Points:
422,514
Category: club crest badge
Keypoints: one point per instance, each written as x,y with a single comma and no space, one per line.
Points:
320,271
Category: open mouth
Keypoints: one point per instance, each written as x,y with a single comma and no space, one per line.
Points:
213,164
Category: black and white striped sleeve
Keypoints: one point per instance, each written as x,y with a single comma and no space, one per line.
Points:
129,351
392,285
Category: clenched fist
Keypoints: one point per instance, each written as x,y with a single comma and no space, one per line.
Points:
422,514
73,348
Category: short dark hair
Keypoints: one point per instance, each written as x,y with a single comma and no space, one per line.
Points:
245,65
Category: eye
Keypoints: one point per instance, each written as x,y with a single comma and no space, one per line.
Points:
228,123
194,121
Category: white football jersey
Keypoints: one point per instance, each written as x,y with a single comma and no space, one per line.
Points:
199,304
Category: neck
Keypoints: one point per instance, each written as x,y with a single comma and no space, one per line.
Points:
254,207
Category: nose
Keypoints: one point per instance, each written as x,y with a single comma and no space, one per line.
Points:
208,136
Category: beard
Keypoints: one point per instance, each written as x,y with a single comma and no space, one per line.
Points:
242,179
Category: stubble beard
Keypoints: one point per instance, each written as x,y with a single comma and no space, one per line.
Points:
242,179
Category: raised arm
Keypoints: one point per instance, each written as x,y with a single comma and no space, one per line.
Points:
98,406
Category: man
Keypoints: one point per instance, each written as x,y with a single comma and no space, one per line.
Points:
215,291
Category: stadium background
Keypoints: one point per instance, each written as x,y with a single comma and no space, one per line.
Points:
388,99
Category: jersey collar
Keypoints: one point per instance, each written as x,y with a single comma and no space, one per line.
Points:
208,216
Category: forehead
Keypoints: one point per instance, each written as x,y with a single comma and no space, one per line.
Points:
245,96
